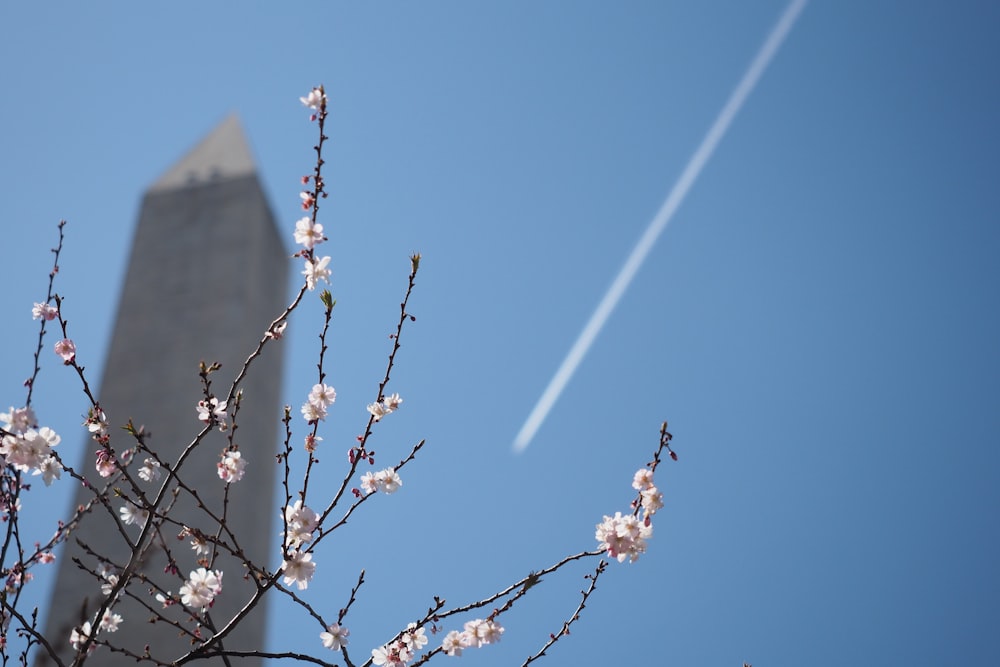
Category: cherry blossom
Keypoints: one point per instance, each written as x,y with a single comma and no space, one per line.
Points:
481,632
201,587
377,410
316,270
298,569
396,654
414,637
66,349
335,637
308,233
313,412
315,98
386,406
44,311
322,394
454,643
49,469
80,635
212,410
307,200
231,467
643,479
301,522
46,557
623,536
150,470
30,450
387,481
110,621
312,441
133,514
18,420
652,500
105,463
97,423
392,402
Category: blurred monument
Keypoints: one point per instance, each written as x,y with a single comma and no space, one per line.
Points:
206,277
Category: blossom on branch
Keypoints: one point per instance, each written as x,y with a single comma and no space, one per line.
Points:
315,99
18,420
133,514
231,467
308,233
335,637
44,311
212,410
623,536
150,470
396,654
301,522
388,481
29,451
201,588
316,270
298,569
66,349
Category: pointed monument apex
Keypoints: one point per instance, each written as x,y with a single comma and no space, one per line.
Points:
222,155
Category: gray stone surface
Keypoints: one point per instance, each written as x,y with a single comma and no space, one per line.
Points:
207,274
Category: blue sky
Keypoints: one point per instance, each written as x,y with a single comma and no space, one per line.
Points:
819,322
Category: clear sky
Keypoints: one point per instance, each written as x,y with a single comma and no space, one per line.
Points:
819,322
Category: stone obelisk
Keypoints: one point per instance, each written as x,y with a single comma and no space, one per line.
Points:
208,273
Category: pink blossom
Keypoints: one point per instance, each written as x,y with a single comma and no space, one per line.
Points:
105,463
231,467
396,654
623,537
212,410
44,311
66,349
652,500
18,420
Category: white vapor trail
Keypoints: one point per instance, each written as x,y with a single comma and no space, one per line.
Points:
673,201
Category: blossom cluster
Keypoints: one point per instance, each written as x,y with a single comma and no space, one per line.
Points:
475,634
109,623
212,411
386,481
201,588
624,536
300,522
318,402
298,565
402,650
28,448
386,406
231,466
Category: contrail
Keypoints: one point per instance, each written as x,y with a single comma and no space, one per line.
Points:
673,201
